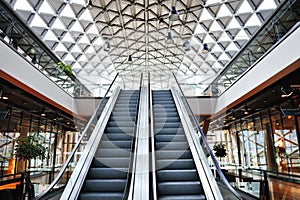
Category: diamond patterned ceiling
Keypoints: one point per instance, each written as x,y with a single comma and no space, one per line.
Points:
79,36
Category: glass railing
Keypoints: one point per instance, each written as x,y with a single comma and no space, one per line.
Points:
15,33
256,181
227,191
272,32
66,170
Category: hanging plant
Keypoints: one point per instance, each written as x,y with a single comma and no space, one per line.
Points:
66,68
220,150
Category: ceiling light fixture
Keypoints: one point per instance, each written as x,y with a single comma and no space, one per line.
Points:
129,59
106,46
246,111
161,22
205,48
90,5
174,15
43,113
187,45
169,38
285,94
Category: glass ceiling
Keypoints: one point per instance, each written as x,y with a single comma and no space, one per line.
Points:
80,37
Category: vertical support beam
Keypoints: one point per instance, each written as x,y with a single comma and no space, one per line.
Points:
206,126
54,154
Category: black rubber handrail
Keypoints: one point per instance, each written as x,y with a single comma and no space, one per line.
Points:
66,164
133,145
222,176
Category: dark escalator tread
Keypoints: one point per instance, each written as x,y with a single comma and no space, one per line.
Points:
115,129
116,136
115,144
104,185
101,195
180,188
167,124
107,173
170,138
173,154
182,197
169,131
178,175
175,164
111,162
120,123
172,145
167,119
112,153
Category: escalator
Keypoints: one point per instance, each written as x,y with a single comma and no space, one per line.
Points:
176,173
107,175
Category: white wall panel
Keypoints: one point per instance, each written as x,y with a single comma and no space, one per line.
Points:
278,59
20,69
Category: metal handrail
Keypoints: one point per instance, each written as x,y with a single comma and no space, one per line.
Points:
152,193
222,176
133,145
65,166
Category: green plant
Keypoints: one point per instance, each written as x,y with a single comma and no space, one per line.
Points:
66,68
220,150
30,147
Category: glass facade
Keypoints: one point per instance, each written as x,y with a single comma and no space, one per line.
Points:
57,137
266,141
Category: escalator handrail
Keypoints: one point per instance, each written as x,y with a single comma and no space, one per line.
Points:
153,191
222,176
133,145
71,155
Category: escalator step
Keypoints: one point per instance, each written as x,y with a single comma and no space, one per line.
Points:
107,173
182,197
167,119
101,195
173,154
178,175
170,138
125,112
169,131
111,162
116,136
158,124
180,188
111,153
172,145
165,114
165,105
104,185
115,144
175,164
120,129
120,123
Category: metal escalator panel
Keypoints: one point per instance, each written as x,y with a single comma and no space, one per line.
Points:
176,173
107,175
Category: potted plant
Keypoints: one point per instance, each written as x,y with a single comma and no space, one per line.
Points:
66,68
220,150
28,148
